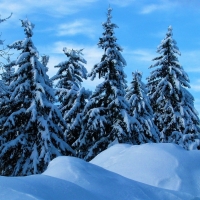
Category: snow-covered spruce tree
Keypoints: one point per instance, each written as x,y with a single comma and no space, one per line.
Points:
8,73
44,61
71,96
31,127
106,118
4,56
3,92
173,105
6,79
142,126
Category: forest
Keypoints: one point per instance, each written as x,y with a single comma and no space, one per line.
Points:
44,117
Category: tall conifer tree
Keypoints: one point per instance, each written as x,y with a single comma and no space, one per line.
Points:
106,118
142,126
3,51
173,105
71,95
8,73
4,56
6,79
31,127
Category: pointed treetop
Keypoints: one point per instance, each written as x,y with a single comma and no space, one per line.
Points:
45,59
28,27
167,43
137,74
170,28
109,16
169,32
71,52
74,54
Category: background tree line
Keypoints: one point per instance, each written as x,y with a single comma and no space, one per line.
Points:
42,118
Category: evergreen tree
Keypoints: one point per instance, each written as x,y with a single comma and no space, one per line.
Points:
173,105
8,72
3,51
44,61
106,120
142,126
71,96
3,91
31,127
6,79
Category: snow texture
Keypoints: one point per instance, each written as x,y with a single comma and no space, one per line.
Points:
163,165
166,166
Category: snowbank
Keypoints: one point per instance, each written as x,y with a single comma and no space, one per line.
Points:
74,179
161,165
105,184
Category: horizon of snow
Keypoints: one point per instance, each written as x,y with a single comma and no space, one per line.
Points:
74,179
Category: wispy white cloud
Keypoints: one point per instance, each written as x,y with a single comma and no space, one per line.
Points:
167,5
190,61
159,34
46,12
195,89
196,85
58,8
81,26
197,105
160,5
144,55
121,3
150,8
193,69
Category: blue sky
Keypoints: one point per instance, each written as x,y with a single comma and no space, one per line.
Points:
77,24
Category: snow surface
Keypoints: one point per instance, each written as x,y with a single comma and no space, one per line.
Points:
162,165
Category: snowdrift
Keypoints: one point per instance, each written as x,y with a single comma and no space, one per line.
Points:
74,179
161,165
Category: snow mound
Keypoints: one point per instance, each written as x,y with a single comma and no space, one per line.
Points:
74,179
106,184
161,165
41,187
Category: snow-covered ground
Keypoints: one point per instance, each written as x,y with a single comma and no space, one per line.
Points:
166,166
125,172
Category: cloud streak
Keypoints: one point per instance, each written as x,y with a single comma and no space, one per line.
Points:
121,3
166,5
160,5
196,85
82,26
151,8
60,8
142,55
